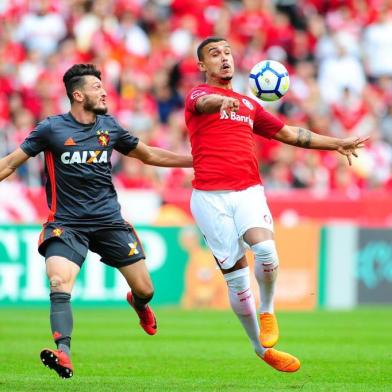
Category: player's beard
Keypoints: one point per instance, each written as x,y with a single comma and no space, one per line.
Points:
90,106
226,78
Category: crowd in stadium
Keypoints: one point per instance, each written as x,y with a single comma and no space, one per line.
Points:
338,53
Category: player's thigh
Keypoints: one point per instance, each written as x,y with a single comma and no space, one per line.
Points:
118,247
138,278
257,234
60,240
252,215
212,213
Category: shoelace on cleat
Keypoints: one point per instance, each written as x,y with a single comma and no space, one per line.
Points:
268,323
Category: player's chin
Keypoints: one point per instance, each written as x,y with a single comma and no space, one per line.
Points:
227,78
100,109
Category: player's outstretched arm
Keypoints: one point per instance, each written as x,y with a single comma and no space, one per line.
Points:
297,136
213,103
160,157
11,162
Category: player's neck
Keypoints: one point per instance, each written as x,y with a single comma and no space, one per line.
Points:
82,116
219,83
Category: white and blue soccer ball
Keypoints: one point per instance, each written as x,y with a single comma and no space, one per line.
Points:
269,80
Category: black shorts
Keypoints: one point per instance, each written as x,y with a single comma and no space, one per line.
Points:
118,245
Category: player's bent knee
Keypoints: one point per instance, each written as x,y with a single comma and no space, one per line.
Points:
148,293
57,283
145,292
266,254
266,260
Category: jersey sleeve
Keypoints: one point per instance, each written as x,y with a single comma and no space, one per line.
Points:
125,141
265,124
193,96
38,139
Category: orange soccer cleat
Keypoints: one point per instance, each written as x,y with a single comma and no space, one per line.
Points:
269,330
146,316
281,361
57,360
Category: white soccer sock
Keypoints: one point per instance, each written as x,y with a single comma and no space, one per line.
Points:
243,305
266,271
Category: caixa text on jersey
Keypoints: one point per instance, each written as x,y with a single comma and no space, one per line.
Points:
70,158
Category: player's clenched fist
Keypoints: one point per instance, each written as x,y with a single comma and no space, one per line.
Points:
230,105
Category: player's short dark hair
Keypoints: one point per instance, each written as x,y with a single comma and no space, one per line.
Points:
74,77
206,42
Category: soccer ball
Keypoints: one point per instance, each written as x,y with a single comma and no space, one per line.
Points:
269,80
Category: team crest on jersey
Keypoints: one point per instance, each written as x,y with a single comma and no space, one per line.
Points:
247,103
103,138
56,232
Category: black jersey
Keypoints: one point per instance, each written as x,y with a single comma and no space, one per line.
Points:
79,186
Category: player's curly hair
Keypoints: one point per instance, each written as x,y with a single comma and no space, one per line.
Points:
74,77
206,42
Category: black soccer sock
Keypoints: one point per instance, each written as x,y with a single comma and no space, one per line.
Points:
61,320
140,303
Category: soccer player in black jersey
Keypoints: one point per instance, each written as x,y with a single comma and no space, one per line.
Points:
84,211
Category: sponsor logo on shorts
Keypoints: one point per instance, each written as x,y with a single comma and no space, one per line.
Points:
267,219
222,261
56,232
133,251
70,158
103,138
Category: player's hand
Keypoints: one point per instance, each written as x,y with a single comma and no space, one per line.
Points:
229,105
349,145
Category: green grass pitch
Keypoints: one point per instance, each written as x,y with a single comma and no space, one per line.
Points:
198,351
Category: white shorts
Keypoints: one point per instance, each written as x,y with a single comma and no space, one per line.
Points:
224,216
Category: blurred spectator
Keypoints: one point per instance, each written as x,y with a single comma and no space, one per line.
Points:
135,175
15,205
344,180
378,45
309,172
136,40
339,71
351,116
279,177
41,28
386,125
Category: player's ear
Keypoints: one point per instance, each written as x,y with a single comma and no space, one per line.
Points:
201,66
78,96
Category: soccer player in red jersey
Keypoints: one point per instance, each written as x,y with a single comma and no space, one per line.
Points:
228,201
